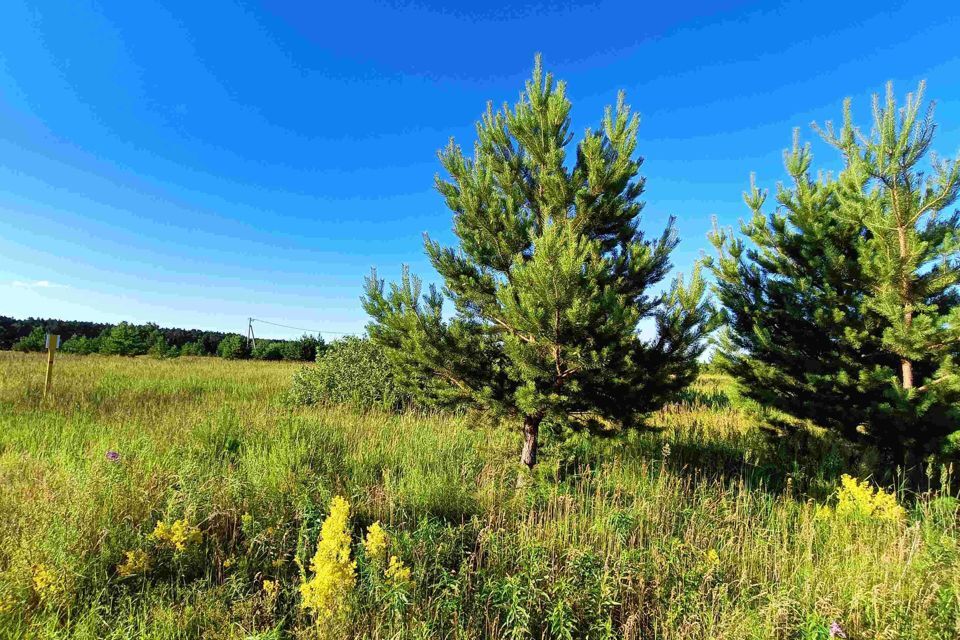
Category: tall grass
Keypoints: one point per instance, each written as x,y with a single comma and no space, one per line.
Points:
699,527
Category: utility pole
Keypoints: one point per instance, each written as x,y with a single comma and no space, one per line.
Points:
251,339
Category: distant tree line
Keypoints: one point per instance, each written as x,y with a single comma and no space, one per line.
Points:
128,339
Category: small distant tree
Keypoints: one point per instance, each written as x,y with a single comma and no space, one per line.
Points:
125,339
267,350
160,348
81,345
304,349
550,282
233,347
845,309
34,341
193,349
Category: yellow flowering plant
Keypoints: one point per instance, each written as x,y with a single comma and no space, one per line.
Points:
375,544
180,536
7,603
394,575
334,573
136,562
270,589
712,559
398,574
859,499
46,583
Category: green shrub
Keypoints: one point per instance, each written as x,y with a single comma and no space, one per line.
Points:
81,345
268,350
33,342
193,349
351,371
159,348
233,347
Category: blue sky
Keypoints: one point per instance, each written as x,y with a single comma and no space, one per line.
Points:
197,163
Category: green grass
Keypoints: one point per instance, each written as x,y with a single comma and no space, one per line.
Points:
720,534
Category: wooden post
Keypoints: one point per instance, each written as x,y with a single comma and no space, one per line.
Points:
53,341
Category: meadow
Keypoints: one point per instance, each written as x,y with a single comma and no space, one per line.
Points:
184,499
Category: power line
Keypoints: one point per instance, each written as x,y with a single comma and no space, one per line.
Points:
286,326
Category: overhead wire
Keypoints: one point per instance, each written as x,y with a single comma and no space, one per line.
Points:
286,326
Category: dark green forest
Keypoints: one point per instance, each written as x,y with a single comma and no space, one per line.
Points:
83,337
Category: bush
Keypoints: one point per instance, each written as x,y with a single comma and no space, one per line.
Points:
268,350
33,342
81,345
159,348
233,347
193,349
351,371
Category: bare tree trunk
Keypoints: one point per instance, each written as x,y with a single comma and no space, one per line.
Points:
531,429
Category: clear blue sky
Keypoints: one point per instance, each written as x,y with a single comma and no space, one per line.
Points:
195,163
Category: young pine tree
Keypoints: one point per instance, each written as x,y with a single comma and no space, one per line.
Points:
550,281
126,339
845,310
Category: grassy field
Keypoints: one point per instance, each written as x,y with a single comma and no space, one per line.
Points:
699,527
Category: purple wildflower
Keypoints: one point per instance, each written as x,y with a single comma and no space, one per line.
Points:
836,631
113,456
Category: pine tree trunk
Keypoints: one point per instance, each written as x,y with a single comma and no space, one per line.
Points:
906,372
531,429
906,366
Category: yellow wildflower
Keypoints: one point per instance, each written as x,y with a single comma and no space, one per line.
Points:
7,603
859,499
270,588
180,535
376,543
822,513
45,582
137,562
398,574
334,573
713,558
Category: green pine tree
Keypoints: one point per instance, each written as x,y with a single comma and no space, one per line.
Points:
233,347
845,308
125,339
550,281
